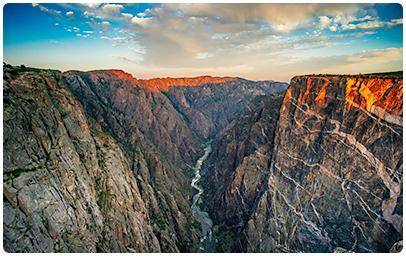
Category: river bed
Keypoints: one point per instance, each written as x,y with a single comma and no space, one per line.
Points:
206,238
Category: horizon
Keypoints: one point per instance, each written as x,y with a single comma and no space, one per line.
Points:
208,75
250,41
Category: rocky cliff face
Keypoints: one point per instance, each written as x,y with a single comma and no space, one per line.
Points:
67,186
210,107
164,84
155,139
332,181
94,162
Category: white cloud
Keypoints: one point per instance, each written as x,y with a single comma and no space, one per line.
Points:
141,21
141,14
284,17
88,14
324,21
283,27
48,10
332,28
91,5
112,9
372,24
127,15
117,38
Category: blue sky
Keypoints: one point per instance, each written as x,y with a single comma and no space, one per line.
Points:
256,41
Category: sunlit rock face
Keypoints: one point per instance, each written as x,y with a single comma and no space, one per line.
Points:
333,177
164,84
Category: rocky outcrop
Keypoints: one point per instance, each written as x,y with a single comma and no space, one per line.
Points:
333,178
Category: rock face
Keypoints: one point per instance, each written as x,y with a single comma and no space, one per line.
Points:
157,142
244,148
164,84
209,108
67,187
328,179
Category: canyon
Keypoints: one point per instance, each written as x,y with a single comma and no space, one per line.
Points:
101,161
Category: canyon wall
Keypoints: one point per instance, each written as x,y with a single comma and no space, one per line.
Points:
210,107
101,161
328,179
67,187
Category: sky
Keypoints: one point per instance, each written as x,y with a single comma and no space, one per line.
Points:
254,41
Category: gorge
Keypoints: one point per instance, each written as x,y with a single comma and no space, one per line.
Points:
100,161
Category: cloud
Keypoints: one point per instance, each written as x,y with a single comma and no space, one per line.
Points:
135,60
380,60
141,21
284,17
114,38
376,56
332,28
203,55
47,10
127,15
351,22
112,9
324,21
82,35
261,41
372,24
91,5
88,14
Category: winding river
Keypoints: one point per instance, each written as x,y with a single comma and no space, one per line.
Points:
206,239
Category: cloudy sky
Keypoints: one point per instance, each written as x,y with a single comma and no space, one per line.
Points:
255,41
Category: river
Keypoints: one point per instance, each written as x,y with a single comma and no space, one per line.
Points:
206,238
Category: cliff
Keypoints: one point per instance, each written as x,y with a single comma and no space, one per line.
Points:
67,187
333,171
164,84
